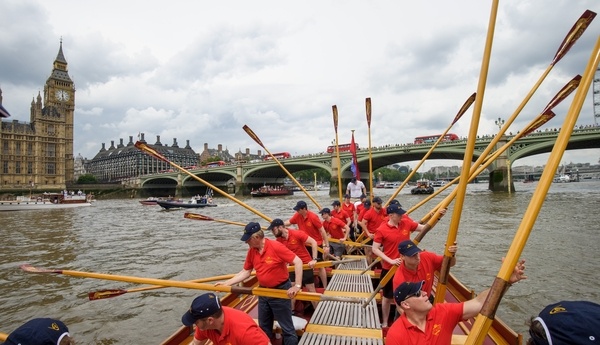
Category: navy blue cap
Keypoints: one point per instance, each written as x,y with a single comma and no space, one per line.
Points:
276,222
336,203
362,196
346,196
394,208
202,307
299,205
377,200
406,289
569,322
325,210
367,204
250,229
395,202
408,248
40,331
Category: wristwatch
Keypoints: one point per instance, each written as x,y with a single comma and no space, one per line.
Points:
298,286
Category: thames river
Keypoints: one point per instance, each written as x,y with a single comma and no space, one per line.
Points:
123,237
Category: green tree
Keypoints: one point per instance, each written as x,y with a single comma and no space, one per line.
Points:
87,179
309,175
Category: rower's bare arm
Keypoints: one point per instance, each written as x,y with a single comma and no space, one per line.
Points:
241,276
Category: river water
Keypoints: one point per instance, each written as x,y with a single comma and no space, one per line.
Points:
123,237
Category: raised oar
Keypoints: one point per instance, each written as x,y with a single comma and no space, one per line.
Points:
389,275
483,162
147,149
337,151
102,294
460,113
488,311
255,137
257,291
368,112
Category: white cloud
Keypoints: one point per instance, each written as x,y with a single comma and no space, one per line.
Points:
199,71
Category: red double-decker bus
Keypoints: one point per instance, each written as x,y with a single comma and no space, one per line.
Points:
278,155
342,148
432,138
215,164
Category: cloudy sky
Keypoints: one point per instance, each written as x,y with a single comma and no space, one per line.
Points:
200,70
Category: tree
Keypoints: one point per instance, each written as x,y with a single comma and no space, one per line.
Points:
87,179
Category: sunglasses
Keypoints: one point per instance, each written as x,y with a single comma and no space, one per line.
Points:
416,294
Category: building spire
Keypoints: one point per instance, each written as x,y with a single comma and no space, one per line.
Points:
60,57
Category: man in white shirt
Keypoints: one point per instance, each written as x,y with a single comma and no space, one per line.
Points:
356,188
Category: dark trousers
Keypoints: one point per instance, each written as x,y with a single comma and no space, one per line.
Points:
280,309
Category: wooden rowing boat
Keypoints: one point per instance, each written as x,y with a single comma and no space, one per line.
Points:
339,322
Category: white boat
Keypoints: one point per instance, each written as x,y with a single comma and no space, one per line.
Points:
46,201
438,183
562,178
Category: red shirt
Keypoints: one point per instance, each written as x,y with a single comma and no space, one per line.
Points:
340,214
296,243
311,225
441,320
349,208
374,219
238,328
272,265
390,236
334,227
430,262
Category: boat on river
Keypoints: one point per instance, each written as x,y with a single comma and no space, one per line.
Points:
423,187
271,191
152,200
46,201
359,325
194,202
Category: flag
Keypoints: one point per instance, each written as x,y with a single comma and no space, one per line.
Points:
354,166
3,112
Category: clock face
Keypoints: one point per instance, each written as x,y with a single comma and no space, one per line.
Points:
62,95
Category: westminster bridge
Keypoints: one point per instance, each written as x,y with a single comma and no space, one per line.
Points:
243,176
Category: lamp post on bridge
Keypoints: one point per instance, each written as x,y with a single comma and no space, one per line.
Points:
499,123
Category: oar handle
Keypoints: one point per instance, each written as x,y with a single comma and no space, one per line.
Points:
382,283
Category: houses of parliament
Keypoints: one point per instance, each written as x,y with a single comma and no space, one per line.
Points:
39,154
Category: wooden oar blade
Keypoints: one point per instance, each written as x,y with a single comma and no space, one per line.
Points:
335,117
576,31
563,93
465,107
196,216
368,110
253,135
96,295
32,269
538,122
152,152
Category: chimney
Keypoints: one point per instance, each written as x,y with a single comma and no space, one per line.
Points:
247,151
130,140
158,143
120,143
219,147
187,144
259,153
142,138
174,143
103,148
112,145
205,146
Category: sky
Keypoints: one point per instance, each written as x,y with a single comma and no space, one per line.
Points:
201,70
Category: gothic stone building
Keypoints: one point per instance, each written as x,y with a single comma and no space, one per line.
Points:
40,153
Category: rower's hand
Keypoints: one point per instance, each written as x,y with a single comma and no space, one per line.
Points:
293,291
396,262
312,263
518,273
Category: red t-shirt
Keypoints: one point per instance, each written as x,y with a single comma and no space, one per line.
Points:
238,329
430,262
349,208
390,236
341,215
374,219
441,320
272,265
335,227
296,243
311,225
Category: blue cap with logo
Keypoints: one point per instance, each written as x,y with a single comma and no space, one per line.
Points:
408,248
250,229
325,210
569,322
394,208
40,331
406,289
275,223
300,205
202,307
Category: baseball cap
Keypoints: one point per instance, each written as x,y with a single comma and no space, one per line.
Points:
299,205
394,208
395,202
362,196
408,248
325,210
336,203
203,306
39,331
569,322
406,289
250,229
347,196
274,223
377,200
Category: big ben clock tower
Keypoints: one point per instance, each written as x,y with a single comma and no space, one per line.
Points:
57,119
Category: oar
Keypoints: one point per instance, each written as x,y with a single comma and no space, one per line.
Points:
484,162
460,113
258,291
389,275
3,336
147,149
259,142
378,259
368,112
102,294
337,150
488,311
